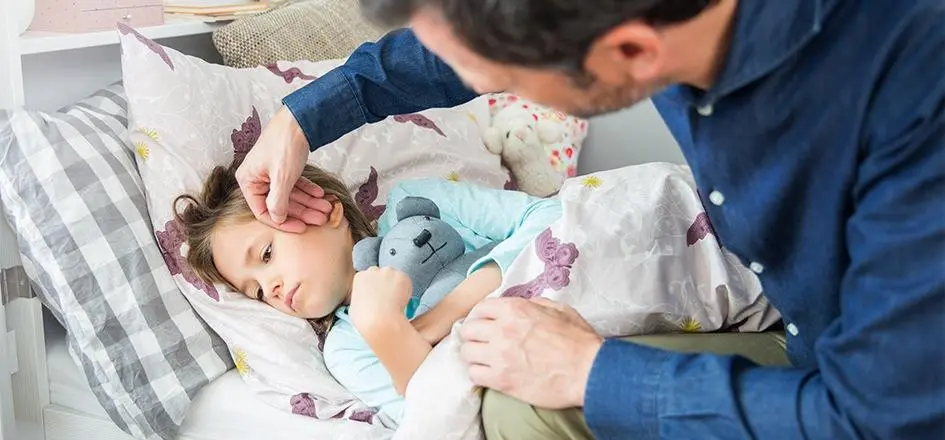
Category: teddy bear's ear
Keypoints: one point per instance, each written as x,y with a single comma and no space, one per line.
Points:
416,206
364,254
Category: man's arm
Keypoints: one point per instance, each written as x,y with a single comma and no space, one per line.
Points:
880,364
396,75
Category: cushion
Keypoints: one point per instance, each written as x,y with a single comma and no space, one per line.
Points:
313,30
71,191
187,115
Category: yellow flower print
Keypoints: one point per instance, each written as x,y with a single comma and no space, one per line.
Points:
592,182
149,132
239,358
472,117
454,176
690,325
142,149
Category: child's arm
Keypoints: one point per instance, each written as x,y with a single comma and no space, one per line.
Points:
479,214
436,323
378,299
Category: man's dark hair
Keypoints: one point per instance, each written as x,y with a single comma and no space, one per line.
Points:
536,33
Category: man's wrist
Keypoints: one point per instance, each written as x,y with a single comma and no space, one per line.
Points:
585,363
297,137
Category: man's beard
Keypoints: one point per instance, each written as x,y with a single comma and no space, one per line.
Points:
600,99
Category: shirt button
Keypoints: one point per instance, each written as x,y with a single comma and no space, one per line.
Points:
705,110
756,267
792,329
716,198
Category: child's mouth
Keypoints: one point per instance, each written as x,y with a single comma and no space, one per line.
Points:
290,299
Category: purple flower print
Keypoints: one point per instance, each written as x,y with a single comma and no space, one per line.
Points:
530,289
170,241
701,228
244,138
289,74
556,277
546,246
303,404
150,44
558,259
565,255
420,121
367,194
363,415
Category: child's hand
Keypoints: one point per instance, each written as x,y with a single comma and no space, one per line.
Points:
378,294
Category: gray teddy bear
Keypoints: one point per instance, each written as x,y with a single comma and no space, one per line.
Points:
423,246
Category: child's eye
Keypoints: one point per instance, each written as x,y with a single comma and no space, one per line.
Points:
266,253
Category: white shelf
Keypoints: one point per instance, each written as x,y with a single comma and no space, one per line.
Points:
44,42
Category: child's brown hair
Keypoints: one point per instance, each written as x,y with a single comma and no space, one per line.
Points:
221,202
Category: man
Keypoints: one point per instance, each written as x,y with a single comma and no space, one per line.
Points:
815,130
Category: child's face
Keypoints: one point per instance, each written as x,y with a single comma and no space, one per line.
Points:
305,275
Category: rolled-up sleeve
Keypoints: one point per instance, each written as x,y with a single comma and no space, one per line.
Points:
396,75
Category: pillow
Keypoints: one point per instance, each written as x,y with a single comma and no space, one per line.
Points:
186,116
71,191
562,154
313,30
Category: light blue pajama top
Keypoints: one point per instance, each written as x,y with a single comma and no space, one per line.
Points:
481,216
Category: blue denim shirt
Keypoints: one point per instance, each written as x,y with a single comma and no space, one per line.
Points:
820,157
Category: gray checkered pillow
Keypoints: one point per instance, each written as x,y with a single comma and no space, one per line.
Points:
71,190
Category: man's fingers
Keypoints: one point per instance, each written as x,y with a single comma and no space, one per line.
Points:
255,194
493,308
291,225
277,202
310,188
309,201
475,353
477,330
482,375
305,215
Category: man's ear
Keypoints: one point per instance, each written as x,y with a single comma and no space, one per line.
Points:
364,254
633,49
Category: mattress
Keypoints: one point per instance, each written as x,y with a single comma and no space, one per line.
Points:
224,409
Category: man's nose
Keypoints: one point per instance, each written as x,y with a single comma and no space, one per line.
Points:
422,238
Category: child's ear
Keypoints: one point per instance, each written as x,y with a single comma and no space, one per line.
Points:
337,215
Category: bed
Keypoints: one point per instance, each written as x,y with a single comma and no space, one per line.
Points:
46,396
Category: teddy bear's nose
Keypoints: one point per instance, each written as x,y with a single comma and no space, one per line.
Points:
422,238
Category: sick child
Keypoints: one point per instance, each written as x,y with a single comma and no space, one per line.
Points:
372,349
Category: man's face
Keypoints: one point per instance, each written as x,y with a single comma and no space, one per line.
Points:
607,87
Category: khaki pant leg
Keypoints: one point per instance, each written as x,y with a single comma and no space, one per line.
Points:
505,418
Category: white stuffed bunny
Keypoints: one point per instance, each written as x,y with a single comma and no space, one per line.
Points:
520,137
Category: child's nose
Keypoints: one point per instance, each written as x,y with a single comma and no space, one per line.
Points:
274,289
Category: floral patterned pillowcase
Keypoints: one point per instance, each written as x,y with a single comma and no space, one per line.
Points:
187,116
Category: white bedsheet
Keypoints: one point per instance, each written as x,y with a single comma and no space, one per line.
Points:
226,409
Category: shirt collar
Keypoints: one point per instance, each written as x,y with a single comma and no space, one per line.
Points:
766,34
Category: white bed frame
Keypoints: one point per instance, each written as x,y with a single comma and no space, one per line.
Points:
79,65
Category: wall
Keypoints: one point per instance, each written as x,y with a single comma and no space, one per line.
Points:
632,136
